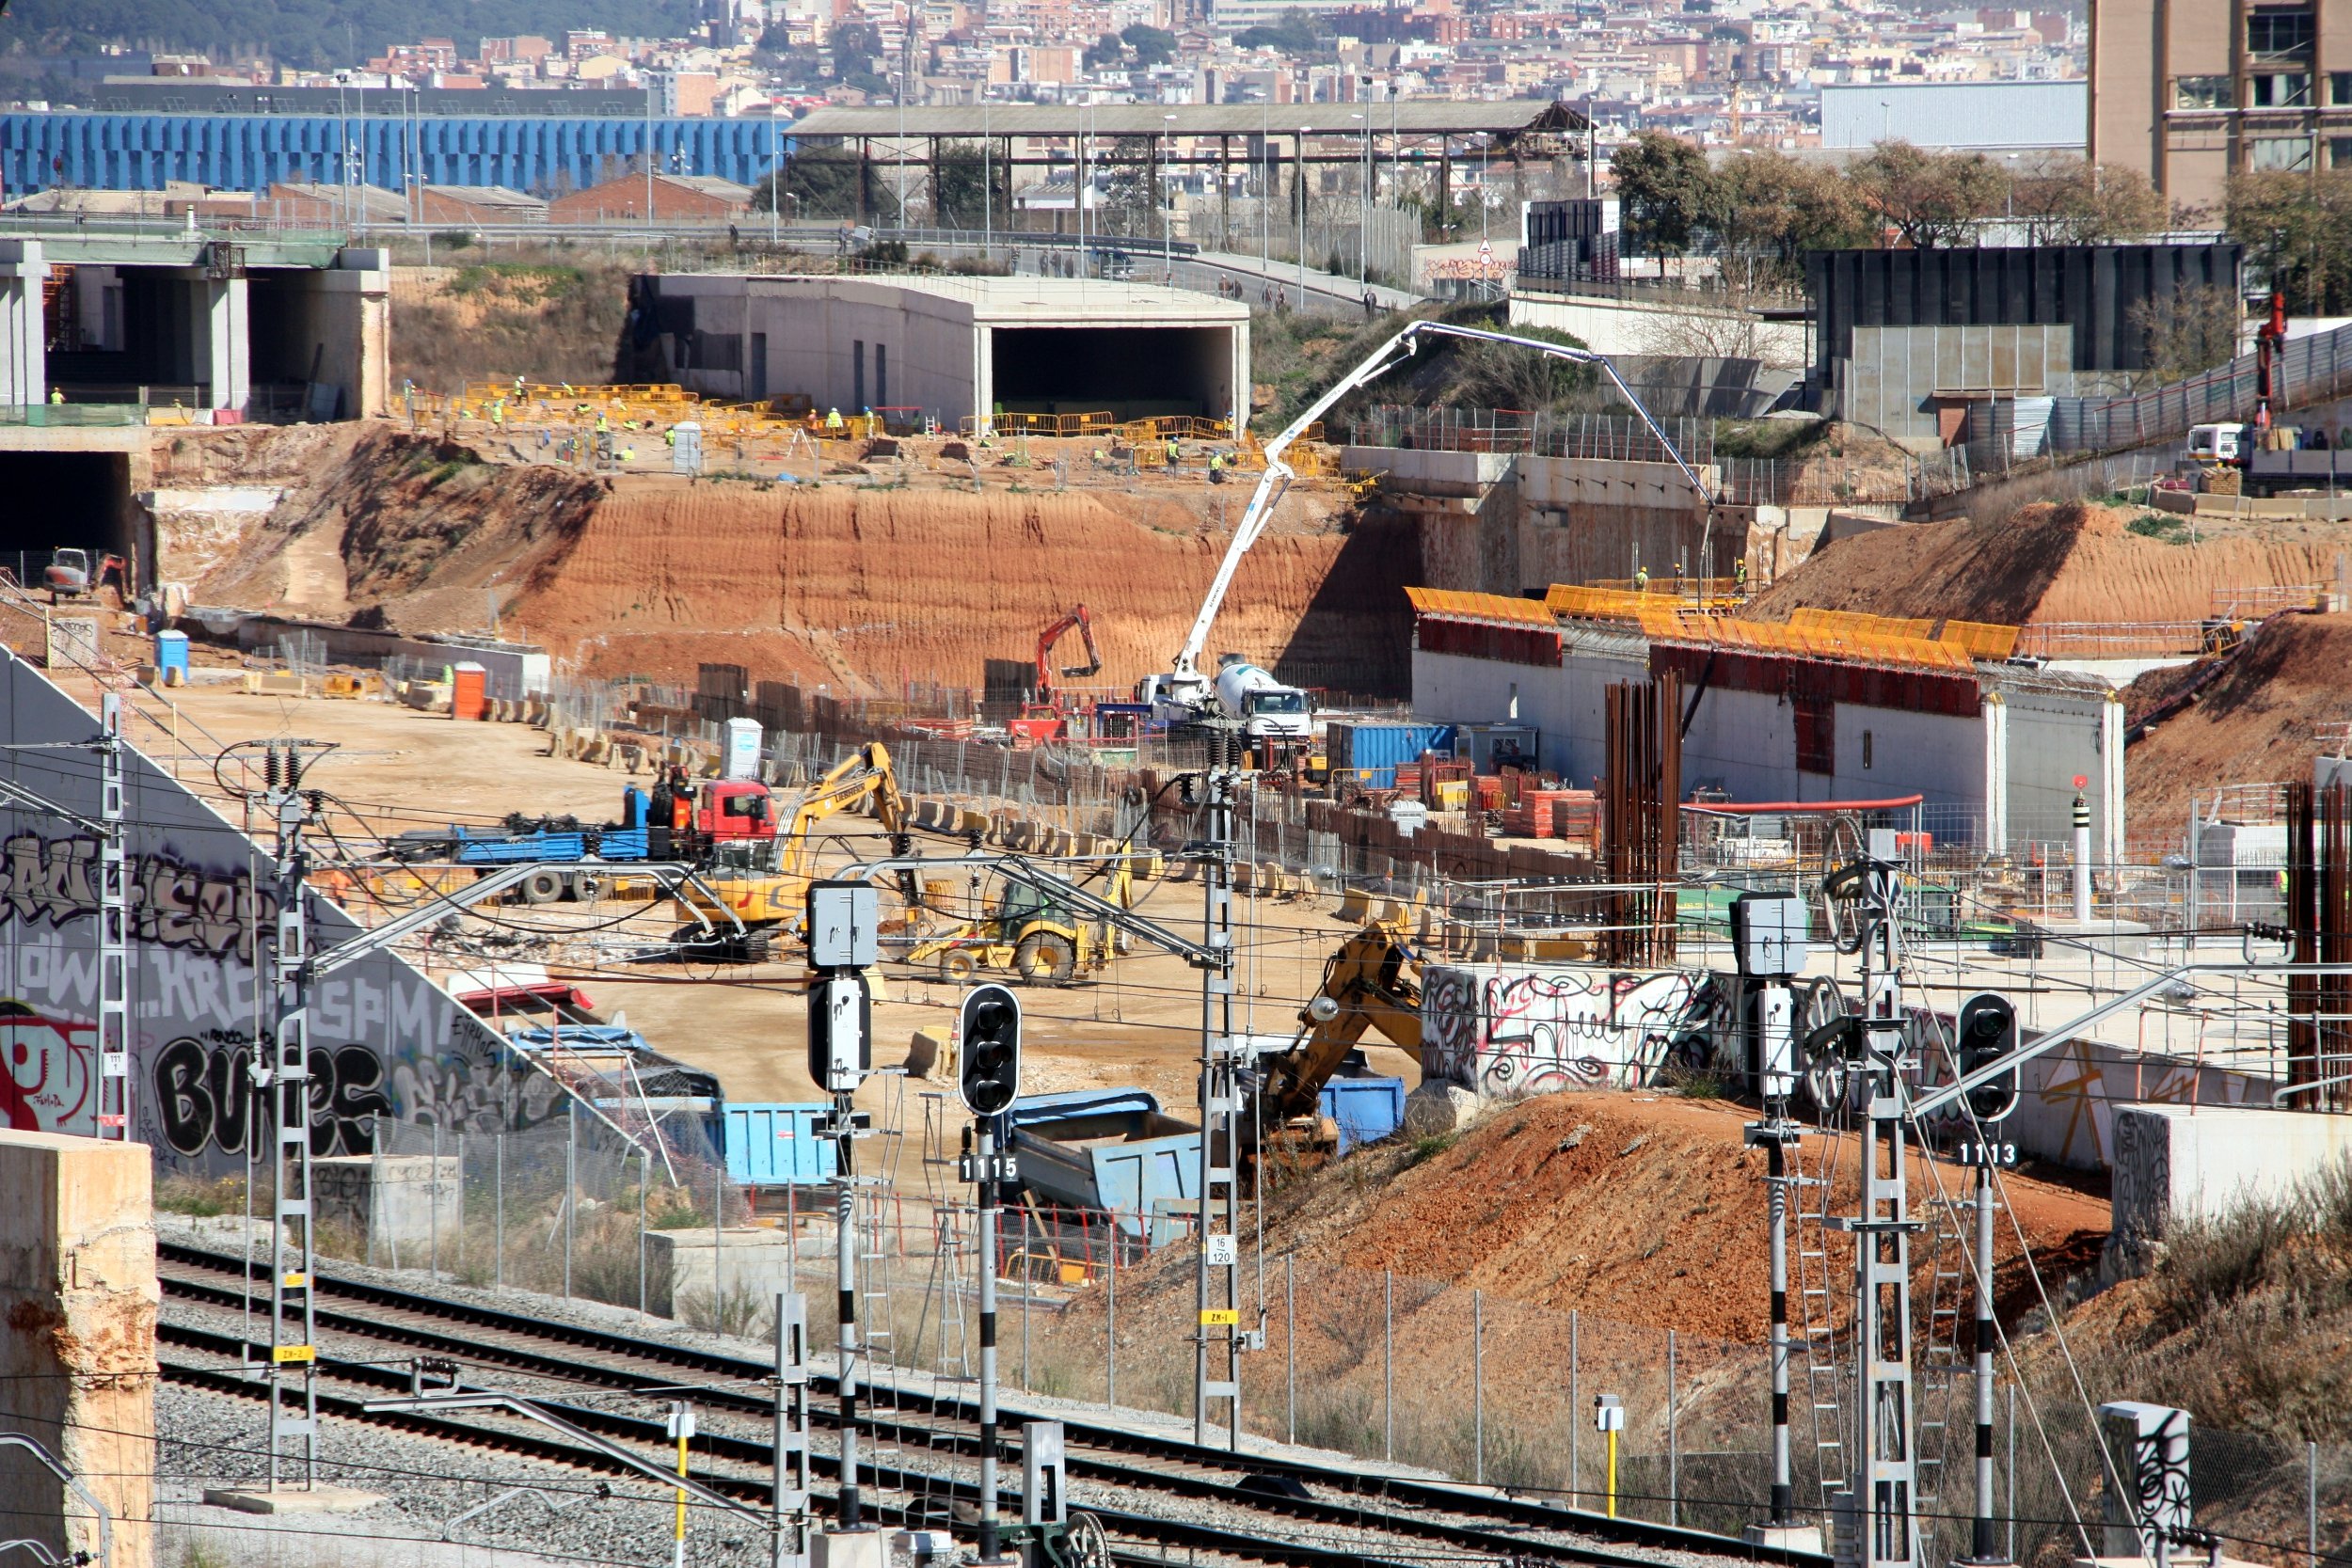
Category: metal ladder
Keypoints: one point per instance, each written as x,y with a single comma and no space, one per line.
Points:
1817,1290
876,1244
1941,1364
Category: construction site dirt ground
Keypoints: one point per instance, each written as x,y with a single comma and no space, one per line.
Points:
1139,1024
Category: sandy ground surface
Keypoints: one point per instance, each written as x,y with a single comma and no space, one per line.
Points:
1137,1024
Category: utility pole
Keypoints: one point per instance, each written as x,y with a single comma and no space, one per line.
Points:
989,1084
281,1076
842,923
1217,1339
1883,1489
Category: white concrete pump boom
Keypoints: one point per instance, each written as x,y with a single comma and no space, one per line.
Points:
1186,684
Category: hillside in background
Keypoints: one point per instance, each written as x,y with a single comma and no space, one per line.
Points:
316,33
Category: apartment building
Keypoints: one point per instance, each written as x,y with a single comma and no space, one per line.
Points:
2191,94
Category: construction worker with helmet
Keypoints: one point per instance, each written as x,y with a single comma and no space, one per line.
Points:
833,422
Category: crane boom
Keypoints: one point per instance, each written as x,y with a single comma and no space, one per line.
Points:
1186,684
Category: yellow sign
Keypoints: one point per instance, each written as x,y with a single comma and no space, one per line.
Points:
293,1353
1220,1317
297,1281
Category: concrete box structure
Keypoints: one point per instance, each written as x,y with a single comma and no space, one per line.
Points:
950,347
400,1207
201,323
2200,1161
78,1298
687,1273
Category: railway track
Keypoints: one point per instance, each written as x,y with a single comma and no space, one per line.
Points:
1296,1501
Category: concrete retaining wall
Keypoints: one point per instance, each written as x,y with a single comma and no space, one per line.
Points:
2174,1163
78,1298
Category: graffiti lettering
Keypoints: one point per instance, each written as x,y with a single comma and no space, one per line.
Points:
173,905
1532,1032
203,1094
49,1064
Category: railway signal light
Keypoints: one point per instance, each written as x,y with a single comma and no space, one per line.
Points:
990,1076
840,1030
1988,1032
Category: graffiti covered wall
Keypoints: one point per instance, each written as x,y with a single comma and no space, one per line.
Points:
387,1042
1517,1029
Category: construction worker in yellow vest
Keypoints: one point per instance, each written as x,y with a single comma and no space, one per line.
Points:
1174,454
669,439
604,426
833,422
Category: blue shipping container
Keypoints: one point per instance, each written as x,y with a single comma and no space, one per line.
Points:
777,1145
1384,746
1366,1109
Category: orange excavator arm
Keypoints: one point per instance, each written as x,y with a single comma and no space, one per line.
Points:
1083,624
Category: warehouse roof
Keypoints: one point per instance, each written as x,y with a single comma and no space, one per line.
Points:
1424,117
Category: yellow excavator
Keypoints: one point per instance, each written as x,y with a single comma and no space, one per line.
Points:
764,882
1372,982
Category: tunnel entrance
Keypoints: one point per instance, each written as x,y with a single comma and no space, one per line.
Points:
1132,372
62,500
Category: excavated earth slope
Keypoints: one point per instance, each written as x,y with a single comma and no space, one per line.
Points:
2048,562
2260,720
857,587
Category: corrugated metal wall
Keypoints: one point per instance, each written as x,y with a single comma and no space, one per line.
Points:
2090,288
140,151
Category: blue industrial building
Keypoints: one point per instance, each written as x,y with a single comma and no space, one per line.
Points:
541,154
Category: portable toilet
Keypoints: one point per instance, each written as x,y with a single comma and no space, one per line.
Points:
468,692
742,753
171,658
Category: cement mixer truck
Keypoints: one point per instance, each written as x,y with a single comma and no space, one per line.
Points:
1267,709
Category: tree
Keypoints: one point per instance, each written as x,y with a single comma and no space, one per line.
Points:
1129,198
1766,210
2068,202
960,186
1930,200
2190,331
1105,51
821,181
2297,227
1152,46
1294,34
1661,189
1503,375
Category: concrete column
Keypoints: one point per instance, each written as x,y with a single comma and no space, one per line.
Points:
77,1354
2111,780
1239,376
24,352
983,373
1995,773
220,324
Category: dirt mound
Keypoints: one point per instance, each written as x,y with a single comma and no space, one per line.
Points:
1640,1210
2049,561
2258,721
